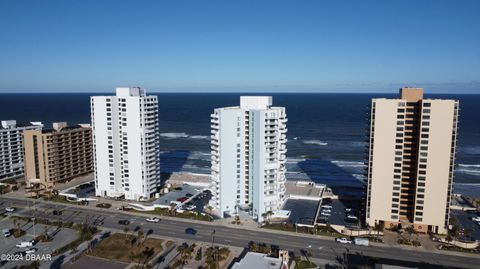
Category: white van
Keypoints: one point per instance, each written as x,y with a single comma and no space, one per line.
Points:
361,241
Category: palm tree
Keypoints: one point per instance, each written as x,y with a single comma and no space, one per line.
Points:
410,230
140,235
126,230
379,227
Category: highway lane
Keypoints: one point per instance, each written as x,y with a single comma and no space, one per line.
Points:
320,248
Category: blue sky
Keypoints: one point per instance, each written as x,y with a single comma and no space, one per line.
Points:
339,46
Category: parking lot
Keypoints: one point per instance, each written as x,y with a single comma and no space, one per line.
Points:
301,211
183,192
42,250
465,222
336,211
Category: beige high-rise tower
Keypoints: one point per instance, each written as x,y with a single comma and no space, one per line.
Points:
57,155
410,161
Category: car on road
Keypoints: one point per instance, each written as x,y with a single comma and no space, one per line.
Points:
343,240
124,222
30,251
153,219
188,195
10,209
6,232
361,241
190,231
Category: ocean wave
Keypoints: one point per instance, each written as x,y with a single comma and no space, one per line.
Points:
466,184
200,137
315,142
348,163
468,171
183,135
469,165
295,160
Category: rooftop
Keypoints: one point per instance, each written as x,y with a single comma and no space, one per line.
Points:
258,261
12,124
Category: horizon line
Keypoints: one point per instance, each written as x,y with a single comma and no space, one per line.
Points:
236,92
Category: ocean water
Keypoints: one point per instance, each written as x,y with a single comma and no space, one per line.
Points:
326,132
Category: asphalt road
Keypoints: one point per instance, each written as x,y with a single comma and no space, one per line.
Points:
320,248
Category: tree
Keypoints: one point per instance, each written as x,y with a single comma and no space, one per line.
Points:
140,235
468,233
379,227
449,238
410,230
126,230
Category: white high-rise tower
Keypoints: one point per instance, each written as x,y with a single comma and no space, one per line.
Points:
248,157
126,143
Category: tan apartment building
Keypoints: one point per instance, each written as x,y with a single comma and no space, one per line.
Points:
58,154
411,157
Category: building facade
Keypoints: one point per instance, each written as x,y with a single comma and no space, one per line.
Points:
248,163
57,155
11,148
126,144
411,158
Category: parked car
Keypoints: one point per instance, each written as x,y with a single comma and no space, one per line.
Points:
10,209
30,251
24,244
327,206
361,241
124,222
6,232
343,240
326,210
154,219
190,231
348,210
325,214
476,219
191,207
182,199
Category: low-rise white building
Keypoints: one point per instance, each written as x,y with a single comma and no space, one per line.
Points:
248,163
126,143
11,148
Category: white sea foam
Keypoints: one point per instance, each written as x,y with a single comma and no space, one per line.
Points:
295,160
469,165
468,171
183,135
348,164
174,135
200,137
315,142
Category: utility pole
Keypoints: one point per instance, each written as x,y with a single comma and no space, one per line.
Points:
34,219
